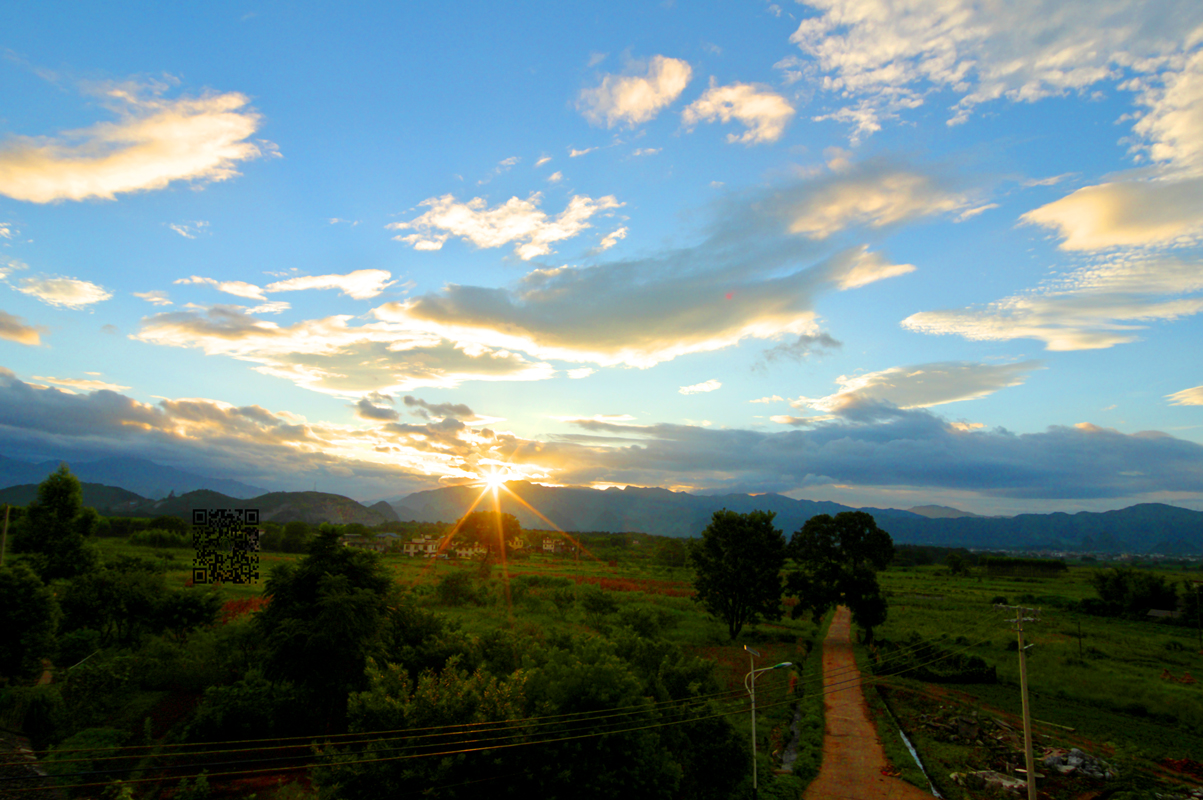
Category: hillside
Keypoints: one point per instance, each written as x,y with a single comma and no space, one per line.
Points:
313,508
105,499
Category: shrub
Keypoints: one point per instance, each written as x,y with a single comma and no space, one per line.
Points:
157,537
456,589
98,744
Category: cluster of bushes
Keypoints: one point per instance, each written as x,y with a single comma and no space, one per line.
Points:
918,658
1132,593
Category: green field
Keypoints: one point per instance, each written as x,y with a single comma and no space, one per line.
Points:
1095,682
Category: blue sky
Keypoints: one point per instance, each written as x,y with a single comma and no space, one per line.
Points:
874,252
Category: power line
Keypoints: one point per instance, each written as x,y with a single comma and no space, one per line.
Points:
829,689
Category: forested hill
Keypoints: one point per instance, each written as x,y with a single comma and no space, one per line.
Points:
1151,527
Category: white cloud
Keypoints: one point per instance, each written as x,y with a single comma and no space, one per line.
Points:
762,111
1125,214
154,142
699,388
636,98
1173,126
158,298
11,265
885,56
646,151
189,230
273,307
574,153
362,284
864,268
875,194
612,238
15,329
555,177
766,400
1094,307
1187,397
921,385
6,230
970,213
581,372
542,160
752,276
81,383
242,289
66,292
1052,181
518,221
327,355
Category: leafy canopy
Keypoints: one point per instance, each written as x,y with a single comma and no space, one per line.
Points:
837,562
56,527
737,567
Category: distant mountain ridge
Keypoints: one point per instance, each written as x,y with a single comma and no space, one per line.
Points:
1145,528
145,478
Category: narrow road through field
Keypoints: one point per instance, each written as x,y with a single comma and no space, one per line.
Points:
852,756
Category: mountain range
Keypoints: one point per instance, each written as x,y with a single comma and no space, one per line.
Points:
135,487
1145,528
137,475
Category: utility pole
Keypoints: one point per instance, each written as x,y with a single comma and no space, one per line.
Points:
1029,761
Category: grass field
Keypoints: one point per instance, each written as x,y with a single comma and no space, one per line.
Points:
1095,683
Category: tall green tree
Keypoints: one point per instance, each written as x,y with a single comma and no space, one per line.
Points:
737,565
837,560
326,617
28,617
56,528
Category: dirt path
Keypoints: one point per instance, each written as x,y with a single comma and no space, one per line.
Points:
852,756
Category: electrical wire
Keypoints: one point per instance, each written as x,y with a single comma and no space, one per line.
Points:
830,688
458,728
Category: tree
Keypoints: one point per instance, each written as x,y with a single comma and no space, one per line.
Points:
1124,590
490,529
56,527
956,564
324,621
738,568
838,559
28,617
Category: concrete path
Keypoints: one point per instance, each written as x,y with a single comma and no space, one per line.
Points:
852,756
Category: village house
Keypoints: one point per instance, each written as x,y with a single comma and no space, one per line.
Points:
424,545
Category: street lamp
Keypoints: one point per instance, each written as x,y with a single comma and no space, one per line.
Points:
750,685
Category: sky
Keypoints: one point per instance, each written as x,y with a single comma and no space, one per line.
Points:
880,253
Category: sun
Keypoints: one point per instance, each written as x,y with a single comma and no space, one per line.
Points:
495,480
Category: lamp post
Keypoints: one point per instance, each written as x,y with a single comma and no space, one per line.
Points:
750,685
